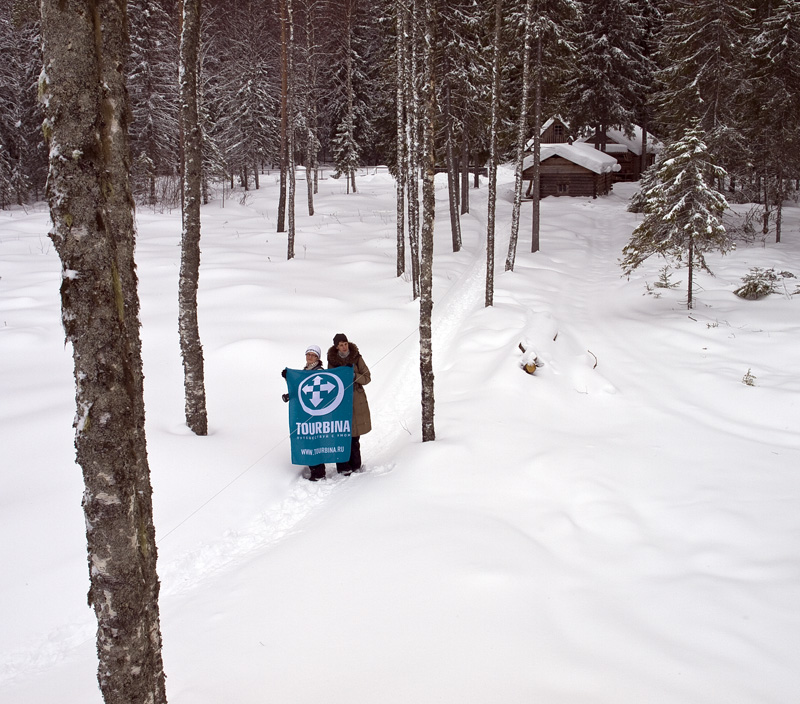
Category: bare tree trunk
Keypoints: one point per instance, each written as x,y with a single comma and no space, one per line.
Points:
464,173
412,140
643,157
522,126
290,128
536,185
429,210
93,231
191,349
778,202
493,156
281,224
350,91
402,160
690,293
312,143
452,176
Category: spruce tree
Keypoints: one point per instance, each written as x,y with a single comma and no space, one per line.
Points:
702,53
774,99
609,68
683,211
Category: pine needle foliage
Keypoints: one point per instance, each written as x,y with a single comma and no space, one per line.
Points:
682,212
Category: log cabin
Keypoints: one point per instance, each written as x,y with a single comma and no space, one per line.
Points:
571,170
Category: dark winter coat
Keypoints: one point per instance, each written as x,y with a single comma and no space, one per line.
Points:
362,423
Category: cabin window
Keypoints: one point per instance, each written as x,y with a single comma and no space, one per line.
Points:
558,132
563,188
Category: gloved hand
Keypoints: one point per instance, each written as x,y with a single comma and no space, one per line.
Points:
285,398
283,373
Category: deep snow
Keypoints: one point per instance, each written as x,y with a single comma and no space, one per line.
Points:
621,527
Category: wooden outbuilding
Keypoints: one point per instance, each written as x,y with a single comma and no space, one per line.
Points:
627,150
572,170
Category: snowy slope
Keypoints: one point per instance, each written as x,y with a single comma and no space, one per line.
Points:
620,527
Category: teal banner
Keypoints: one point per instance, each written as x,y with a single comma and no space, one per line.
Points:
320,414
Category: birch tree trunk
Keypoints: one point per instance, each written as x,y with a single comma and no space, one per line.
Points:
312,142
690,260
464,173
452,177
522,126
351,120
429,209
85,47
412,140
191,349
281,225
402,160
778,199
643,157
290,99
498,18
536,185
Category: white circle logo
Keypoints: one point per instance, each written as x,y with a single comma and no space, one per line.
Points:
321,394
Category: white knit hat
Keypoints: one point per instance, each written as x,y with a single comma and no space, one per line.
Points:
315,350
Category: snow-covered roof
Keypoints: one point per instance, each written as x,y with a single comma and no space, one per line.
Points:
631,144
579,153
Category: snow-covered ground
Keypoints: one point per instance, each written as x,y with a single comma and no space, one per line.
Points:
622,527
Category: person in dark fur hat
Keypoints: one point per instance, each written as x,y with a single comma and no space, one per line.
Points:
345,353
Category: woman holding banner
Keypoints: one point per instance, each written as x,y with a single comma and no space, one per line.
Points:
345,354
313,361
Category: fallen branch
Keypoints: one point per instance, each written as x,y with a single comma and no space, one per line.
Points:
595,358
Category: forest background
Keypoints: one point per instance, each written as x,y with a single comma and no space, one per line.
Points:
342,73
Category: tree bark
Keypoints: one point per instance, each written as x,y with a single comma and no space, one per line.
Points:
536,184
85,47
290,170
493,156
452,176
402,161
191,349
522,126
312,143
778,202
429,210
412,140
464,173
281,224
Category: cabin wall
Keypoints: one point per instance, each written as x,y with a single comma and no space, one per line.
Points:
561,177
556,133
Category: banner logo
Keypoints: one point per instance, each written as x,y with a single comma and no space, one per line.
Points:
321,395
